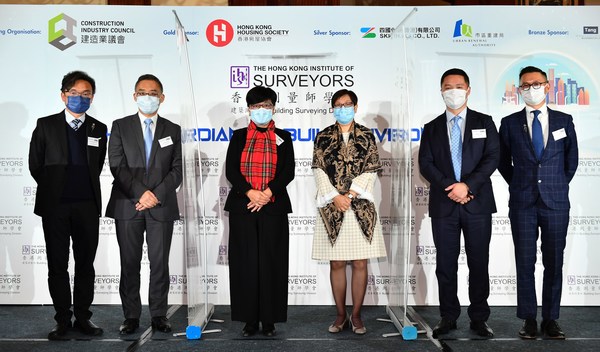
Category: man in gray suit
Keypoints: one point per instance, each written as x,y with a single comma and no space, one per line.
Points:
144,153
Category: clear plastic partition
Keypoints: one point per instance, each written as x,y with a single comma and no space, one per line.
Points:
402,49
197,268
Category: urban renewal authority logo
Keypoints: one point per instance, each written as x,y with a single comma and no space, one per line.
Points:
219,33
462,29
60,32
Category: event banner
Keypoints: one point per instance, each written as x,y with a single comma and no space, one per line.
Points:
305,54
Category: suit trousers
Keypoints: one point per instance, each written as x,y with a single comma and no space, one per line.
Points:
78,221
553,225
258,266
130,235
477,231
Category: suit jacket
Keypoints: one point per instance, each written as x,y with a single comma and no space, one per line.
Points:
479,161
127,160
237,200
526,176
48,159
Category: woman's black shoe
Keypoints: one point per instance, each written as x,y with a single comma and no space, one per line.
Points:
249,329
268,330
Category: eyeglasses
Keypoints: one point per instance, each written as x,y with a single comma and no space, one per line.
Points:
267,106
345,105
74,93
143,94
535,85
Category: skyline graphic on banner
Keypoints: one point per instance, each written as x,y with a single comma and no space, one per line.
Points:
569,85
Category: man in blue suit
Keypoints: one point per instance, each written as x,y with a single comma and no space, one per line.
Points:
539,156
459,152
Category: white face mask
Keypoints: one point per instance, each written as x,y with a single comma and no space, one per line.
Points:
454,98
147,104
533,97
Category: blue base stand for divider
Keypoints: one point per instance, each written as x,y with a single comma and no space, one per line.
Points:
409,333
193,332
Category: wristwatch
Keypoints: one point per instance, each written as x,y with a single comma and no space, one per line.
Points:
349,195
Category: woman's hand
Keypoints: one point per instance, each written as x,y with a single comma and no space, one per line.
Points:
342,203
258,199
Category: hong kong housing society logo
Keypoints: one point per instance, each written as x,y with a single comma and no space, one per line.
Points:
60,32
219,33
368,32
462,29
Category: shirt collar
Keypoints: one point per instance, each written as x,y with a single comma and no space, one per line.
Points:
69,117
462,114
543,110
143,118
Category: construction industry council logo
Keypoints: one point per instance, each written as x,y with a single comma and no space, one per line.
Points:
368,32
219,33
60,32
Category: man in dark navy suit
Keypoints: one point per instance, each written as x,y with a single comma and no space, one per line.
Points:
539,156
66,155
459,152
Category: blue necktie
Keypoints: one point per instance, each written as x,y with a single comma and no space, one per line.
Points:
456,147
148,140
537,137
75,124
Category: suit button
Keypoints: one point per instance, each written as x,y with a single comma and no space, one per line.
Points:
539,181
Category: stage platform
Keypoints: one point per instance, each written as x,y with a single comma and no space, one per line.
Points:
24,328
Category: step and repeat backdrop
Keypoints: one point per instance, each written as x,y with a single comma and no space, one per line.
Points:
305,54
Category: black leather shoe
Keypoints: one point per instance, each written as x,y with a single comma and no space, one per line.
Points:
161,324
529,329
482,329
552,330
129,326
249,329
268,330
88,328
443,327
59,331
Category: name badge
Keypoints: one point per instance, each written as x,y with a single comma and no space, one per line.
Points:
478,134
165,142
278,140
559,134
93,141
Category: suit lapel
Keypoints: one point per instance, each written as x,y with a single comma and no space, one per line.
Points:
61,134
525,132
136,129
467,138
553,125
445,142
158,134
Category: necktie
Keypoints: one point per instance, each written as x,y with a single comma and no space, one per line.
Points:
148,140
456,147
75,124
537,137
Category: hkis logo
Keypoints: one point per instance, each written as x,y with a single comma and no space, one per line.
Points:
60,32
219,33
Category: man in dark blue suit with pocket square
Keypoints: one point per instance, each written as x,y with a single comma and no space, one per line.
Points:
539,156
459,152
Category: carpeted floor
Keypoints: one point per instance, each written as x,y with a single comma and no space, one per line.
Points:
24,328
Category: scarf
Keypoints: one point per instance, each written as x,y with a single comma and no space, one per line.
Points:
342,162
259,157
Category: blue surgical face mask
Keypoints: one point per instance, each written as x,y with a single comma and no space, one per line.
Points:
344,115
147,104
78,104
261,116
